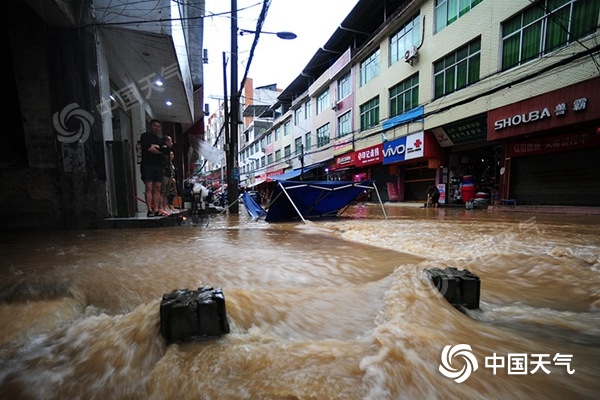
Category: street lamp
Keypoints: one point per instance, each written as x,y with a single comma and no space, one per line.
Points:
232,149
281,35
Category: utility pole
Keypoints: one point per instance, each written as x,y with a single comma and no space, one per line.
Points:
232,168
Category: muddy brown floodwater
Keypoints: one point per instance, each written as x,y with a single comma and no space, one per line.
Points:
335,309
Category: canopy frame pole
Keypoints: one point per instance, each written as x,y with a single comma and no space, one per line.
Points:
226,209
380,202
291,202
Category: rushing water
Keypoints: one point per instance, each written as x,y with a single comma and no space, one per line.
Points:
336,309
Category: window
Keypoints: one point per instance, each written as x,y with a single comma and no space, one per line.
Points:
307,110
262,162
369,68
344,125
323,101
298,146
448,11
277,155
404,96
269,138
287,128
277,133
263,143
407,36
344,87
323,135
308,141
297,115
457,70
545,27
270,159
287,152
369,114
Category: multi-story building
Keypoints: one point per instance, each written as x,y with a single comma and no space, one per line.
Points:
86,77
485,98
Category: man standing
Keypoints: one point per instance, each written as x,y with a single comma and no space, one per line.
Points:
152,166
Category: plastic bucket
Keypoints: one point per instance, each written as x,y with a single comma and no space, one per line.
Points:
468,193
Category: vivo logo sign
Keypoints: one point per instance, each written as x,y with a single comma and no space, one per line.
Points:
404,148
390,151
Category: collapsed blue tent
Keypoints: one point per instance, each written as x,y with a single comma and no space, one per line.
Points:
254,209
314,199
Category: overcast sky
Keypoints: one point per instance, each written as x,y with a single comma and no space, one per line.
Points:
275,61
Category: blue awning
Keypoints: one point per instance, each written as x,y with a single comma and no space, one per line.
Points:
411,115
295,173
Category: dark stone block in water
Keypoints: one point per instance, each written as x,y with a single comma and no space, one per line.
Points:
193,314
460,288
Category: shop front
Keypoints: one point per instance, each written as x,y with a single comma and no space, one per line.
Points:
551,147
412,161
471,166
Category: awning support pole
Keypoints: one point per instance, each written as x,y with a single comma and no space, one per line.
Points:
290,199
380,202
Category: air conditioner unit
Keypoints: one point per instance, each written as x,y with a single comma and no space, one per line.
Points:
411,54
334,106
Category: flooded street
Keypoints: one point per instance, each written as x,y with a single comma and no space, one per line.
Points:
335,309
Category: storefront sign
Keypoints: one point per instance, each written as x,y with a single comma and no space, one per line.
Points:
347,160
465,131
404,148
369,155
275,173
574,104
568,141
342,146
519,119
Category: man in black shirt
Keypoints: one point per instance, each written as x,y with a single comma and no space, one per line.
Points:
152,166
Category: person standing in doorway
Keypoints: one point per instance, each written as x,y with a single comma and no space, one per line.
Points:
151,166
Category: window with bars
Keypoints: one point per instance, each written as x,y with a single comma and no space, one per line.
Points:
369,114
323,135
404,96
344,125
369,68
448,11
457,70
407,36
545,27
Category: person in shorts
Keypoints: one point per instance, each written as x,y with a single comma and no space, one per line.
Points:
151,167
